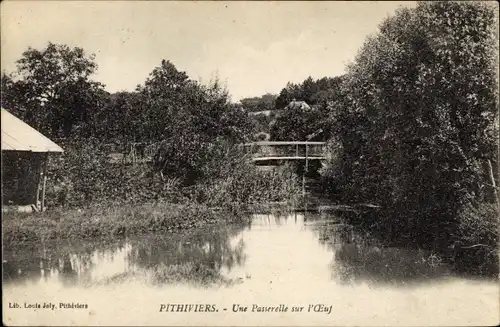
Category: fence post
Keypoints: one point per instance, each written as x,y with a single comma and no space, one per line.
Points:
44,181
39,171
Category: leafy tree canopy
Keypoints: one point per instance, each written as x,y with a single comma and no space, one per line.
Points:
263,103
310,119
52,90
417,119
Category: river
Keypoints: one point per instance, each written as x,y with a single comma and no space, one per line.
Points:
337,275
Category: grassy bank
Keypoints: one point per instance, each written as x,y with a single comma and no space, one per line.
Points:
110,221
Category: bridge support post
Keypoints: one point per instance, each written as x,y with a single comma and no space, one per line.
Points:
306,168
307,161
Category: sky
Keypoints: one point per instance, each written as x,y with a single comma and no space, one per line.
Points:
254,47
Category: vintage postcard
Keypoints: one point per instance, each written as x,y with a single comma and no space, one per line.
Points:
260,163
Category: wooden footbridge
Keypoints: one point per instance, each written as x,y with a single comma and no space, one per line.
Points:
269,151
261,153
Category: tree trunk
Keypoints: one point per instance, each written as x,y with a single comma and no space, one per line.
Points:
492,181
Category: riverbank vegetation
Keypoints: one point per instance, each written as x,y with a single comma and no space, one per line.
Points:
85,176
91,197
104,221
417,130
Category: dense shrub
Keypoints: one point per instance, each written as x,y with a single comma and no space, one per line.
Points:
230,178
84,175
479,226
249,186
477,238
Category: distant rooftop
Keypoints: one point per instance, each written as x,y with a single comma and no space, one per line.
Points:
263,112
298,105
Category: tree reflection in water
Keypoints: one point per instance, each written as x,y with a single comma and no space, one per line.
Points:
65,261
357,257
198,256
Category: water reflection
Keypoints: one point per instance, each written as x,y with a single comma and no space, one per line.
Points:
291,246
359,258
292,259
197,256
34,262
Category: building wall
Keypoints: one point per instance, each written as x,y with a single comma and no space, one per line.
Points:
20,177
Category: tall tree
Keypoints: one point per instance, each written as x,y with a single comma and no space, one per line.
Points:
419,115
189,119
52,89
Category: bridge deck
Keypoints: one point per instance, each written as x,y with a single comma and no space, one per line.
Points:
287,158
287,150
261,151
278,143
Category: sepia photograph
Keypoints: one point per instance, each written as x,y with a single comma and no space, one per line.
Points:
250,163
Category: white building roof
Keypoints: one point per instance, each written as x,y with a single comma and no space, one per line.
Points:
19,136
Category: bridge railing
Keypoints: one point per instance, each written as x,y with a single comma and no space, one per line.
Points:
132,152
286,149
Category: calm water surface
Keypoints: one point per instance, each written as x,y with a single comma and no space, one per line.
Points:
295,260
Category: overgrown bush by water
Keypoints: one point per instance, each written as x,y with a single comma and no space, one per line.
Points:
477,246
84,176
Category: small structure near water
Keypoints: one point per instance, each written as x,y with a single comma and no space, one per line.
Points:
25,154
